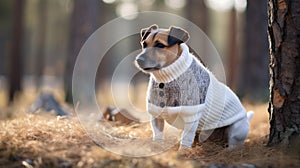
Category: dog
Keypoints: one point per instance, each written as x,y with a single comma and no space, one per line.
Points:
186,94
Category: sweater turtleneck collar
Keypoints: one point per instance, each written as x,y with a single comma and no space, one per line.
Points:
174,70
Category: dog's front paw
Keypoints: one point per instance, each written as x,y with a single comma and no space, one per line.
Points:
233,146
183,150
158,138
160,141
183,147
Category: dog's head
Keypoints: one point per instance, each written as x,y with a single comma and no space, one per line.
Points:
160,47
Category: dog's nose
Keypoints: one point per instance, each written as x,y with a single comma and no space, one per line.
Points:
140,60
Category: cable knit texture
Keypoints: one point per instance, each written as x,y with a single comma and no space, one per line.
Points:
189,92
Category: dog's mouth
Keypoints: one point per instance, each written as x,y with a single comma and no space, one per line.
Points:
151,69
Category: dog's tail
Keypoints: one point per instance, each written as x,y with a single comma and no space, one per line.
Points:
250,115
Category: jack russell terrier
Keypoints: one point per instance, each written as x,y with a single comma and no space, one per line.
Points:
186,94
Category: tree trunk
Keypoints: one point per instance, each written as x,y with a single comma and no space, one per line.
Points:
84,21
42,23
197,12
284,104
254,77
15,59
233,50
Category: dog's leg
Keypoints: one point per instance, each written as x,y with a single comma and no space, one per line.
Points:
157,125
188,134
237,132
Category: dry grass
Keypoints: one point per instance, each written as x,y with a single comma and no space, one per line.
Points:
28,140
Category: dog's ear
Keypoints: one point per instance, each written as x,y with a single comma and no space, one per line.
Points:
146,31
177,35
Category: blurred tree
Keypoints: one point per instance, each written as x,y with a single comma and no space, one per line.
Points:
284,105
42,24
85,20
107,13
197,12
15,66
5,27
233,49
254,76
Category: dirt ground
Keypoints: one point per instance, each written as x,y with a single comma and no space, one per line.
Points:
44,140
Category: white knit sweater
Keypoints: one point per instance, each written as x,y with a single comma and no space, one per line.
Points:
220,108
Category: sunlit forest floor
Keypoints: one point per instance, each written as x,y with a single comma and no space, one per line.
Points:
44,140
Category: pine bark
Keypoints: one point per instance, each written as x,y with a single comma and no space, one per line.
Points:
284,103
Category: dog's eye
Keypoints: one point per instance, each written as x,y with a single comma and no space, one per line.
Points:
144,44
159,45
